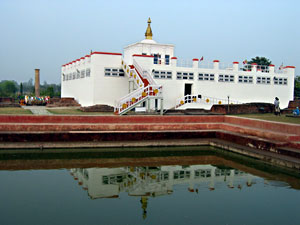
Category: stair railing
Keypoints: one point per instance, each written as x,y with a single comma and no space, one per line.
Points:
136,97
204,100
131,73
145,73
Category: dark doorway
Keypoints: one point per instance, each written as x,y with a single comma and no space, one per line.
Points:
188,89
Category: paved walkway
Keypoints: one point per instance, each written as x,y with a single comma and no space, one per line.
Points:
38,110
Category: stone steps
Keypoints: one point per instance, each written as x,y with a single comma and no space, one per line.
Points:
228,127
242,129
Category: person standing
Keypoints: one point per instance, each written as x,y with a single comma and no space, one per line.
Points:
277,108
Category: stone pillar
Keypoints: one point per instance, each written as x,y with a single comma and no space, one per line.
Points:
37,82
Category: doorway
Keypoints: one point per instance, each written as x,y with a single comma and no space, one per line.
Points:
188,89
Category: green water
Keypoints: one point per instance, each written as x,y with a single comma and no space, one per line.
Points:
145,186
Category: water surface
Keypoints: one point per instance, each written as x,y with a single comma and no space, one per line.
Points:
204,186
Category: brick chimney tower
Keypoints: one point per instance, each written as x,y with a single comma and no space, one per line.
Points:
37,82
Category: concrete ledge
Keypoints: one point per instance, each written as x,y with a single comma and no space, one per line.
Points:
45,132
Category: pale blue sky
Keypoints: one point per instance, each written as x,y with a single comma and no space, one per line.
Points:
48,33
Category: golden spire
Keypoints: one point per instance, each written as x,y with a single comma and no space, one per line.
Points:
148,33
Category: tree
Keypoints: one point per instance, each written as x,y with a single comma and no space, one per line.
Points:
21,88
8,88
260,61
297,87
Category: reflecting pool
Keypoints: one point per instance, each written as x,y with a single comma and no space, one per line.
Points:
198,186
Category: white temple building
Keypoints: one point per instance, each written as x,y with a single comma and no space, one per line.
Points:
148,76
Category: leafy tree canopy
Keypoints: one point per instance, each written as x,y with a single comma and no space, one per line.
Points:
297,87
8,88
260,61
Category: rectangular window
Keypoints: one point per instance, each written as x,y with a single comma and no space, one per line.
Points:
156,59
162,74
202,173
88,72
185,76
280,81
245,79
226,78
167,59
181,174
74,75
206,77
114,72
82,74
263,80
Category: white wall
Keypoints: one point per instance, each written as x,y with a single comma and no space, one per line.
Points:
108,89
81,89
148,48
243,92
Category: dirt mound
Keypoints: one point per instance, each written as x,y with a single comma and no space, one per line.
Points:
62,102
97,108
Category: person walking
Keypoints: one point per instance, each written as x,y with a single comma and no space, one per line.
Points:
277,108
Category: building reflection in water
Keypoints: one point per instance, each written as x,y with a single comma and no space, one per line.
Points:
146,182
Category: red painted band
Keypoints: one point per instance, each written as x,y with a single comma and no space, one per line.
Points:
235,62
195,59
106,53
292,67
143,55
216,61
174,58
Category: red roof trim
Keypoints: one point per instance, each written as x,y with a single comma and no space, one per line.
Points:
106,53
195,59
87,56
82,58
271,65
253,63
174,58
292,67
235,62
216,61
143,55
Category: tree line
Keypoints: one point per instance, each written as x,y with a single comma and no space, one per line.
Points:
13,89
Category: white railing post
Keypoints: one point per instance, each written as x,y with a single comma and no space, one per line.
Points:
271,68
195,63
235,66
253,67
216,64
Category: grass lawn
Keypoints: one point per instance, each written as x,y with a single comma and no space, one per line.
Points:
14,110
72,111
272,117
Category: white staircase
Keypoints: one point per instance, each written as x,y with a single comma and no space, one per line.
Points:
146,88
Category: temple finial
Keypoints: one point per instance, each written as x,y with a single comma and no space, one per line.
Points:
148,33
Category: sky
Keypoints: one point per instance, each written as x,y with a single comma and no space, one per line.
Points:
46,34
